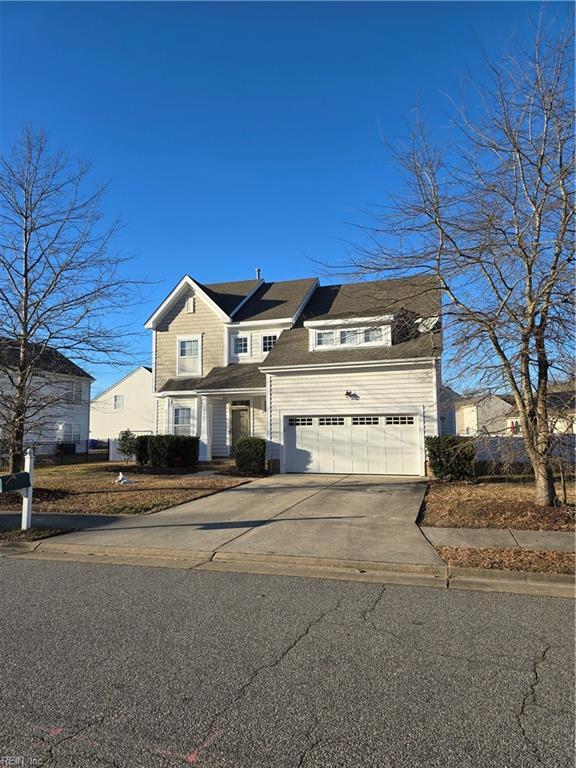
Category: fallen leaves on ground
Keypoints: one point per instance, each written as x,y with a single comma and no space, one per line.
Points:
33,534
492,505
90,489
535,561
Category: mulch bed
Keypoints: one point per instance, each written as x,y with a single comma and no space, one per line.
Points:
534,561
90,489
492,505
33,534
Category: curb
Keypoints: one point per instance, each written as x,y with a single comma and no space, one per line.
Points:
408,574
7,547
518,582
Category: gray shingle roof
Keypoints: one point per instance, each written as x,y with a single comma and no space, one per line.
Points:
407,298
292,348
274,301
180,384
49,360
419,295
234,376
229,295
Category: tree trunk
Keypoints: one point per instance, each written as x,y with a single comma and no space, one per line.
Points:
16,442
545,491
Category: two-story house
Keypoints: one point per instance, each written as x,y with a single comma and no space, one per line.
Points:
58,406
337,379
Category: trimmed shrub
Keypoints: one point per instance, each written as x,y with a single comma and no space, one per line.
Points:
172,451
451,457
250,455
141,449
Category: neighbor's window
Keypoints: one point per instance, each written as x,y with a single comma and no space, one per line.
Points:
241,345
324,338
71,433
73,392
189,356
118,402
268,342
182,421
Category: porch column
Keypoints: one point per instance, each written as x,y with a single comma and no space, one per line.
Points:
205,447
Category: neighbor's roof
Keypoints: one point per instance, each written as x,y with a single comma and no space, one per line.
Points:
275,301
49,360
420,295
558,402
234,376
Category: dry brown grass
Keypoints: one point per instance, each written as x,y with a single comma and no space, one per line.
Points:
534,561
90,489
33,534
492,505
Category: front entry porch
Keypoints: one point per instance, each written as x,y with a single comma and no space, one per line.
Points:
226,417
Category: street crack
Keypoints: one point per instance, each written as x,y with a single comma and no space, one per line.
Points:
266,667
530,700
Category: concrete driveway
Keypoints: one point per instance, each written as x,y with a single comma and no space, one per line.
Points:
331,517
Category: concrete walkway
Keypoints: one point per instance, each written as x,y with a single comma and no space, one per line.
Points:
326,517
559,541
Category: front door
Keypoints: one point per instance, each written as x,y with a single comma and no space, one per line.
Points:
240,424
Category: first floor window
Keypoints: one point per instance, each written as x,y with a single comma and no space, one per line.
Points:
118,402
182,421
71,433
268,343
241,345
189,356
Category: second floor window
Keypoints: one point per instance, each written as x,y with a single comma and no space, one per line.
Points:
268,342
73,392
118,402
241,345
189,356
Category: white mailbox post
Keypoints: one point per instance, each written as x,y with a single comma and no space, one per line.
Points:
27,492
22,482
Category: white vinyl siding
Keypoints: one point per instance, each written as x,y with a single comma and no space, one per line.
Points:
395,390
251,345
219,446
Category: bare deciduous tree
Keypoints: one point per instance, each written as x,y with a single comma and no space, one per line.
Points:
492,217
61,285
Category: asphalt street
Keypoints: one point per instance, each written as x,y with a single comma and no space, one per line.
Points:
105,665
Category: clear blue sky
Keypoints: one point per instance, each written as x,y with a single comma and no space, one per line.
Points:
238,135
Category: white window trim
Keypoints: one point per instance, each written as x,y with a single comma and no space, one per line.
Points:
114,403
189,337
268,336
248,337
73,426
385,341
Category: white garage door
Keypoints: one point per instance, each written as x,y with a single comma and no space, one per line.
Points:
366,444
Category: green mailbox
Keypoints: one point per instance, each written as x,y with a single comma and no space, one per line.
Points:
16,482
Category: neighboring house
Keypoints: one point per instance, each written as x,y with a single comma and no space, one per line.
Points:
561,404
483,413
447,404
127,404
59,403
341,378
